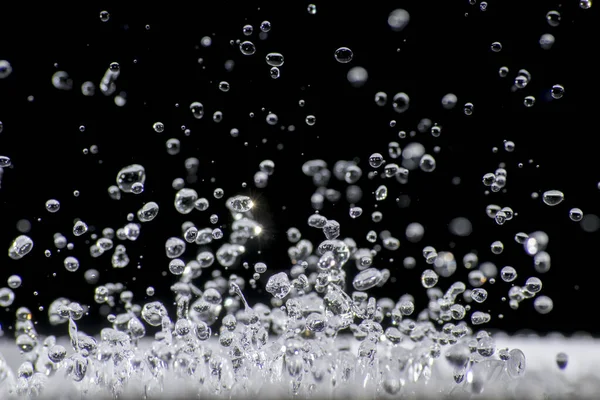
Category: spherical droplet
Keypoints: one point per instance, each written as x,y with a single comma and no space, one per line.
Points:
343,55
557,92
553,197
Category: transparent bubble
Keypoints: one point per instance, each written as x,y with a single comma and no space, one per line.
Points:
104,16
343,55
128,176
247,30
553,18
278,285
312,9
547,41
562,359
553,197
71,264
148,212
357,76
14,281
529,101
401,102
274,59
5,69
398,19
427,163
497,247
585,4
381,99
174,247
158,127
241,203
503,72
479,295
197,109
247,48
575,214
265,26
52,205
310,120
274,72
7,297
366,279
449,101
508,274
468,108
176,266
496,47
557,92
429,278
543,304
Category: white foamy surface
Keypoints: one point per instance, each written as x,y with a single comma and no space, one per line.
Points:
542,379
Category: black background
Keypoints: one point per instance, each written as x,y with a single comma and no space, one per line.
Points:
445,48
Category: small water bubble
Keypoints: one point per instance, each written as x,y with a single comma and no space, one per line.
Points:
509,146
449,101
557,91
508,274
429,278
355,212
479,295
274,72
381,99
247,48
357,76
496,47
585,4
274,59
547,41
553,197
497,247
79,228
343,55
310,120
176,266
14,281
562,359
575,214
468,108
401,102
503,72
224,86
529,101
427,163
104,16
71,264
366,279
553,18
398,19
543,304
247,30
278,285
52,205
516,364
265,26
381,193
158,127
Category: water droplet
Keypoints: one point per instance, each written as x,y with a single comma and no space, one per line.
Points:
104,16
468,108
557,92
343,55
429,278
553,197
562,359
398,19
496,47
247,48
274,59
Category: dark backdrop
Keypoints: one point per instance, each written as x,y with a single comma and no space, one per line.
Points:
445,48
